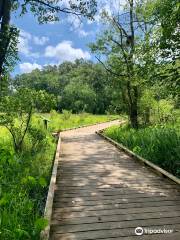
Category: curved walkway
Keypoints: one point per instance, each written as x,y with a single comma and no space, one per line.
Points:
102,193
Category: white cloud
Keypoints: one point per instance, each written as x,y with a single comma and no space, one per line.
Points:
109,6
40,40
83,33
65,51
27,67
25,41
23,46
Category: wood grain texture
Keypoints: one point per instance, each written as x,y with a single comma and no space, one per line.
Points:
102,193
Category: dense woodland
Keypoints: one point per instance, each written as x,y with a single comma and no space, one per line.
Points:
81,86
136,76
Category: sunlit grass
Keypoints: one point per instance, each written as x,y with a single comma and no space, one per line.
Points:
159,144
24,177
58,122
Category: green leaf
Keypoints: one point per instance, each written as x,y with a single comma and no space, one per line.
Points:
40,224
42,182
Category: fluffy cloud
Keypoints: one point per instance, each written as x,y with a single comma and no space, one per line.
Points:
83,33
109,6
40,40
25,41
65,51
27,67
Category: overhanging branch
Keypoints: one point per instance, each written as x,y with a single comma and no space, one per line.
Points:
110,70
57,8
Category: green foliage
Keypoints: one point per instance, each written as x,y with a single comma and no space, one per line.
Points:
154,110
81,98
79,86
47,11
8,37
66,114
24,182
66,120
164,110
159,144
24,177
44,101
16,113
167,13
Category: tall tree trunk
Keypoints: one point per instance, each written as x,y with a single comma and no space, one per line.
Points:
134,109
133,91
5,14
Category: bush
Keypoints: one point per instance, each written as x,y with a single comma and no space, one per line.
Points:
37,138
66,114
164,111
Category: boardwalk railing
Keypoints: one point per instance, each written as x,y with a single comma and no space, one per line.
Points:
154,167
50,196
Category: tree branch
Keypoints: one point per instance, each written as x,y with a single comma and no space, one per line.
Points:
57,8
119,26
109,70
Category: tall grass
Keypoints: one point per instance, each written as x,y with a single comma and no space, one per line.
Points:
159,144
67,120
23,187
24,177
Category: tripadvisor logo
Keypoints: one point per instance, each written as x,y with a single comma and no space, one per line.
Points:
140,231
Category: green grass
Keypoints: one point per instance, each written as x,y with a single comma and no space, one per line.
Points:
24,177
159,144
67,120
58,122
23,187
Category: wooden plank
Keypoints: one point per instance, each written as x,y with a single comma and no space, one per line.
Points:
86,202
171,236
69,214
105,187
115,206
116,192
60,229
119,195
115,218
102,193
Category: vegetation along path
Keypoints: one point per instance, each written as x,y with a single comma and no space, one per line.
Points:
102,193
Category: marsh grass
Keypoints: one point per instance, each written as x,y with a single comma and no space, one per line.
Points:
67,120
23,186
159,144
24,177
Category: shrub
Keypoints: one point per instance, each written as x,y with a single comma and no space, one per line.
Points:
66,114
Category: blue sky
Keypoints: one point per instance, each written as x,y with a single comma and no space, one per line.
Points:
54,43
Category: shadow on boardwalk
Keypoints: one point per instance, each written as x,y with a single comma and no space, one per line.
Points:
104,194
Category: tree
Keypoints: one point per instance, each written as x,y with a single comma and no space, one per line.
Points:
60,80
16,112
126,46
167,15
78,98
45,11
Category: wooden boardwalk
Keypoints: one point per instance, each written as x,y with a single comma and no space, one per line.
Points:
102,193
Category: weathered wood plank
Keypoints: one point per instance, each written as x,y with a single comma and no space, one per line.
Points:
60,229
101,193
115,218
66,213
